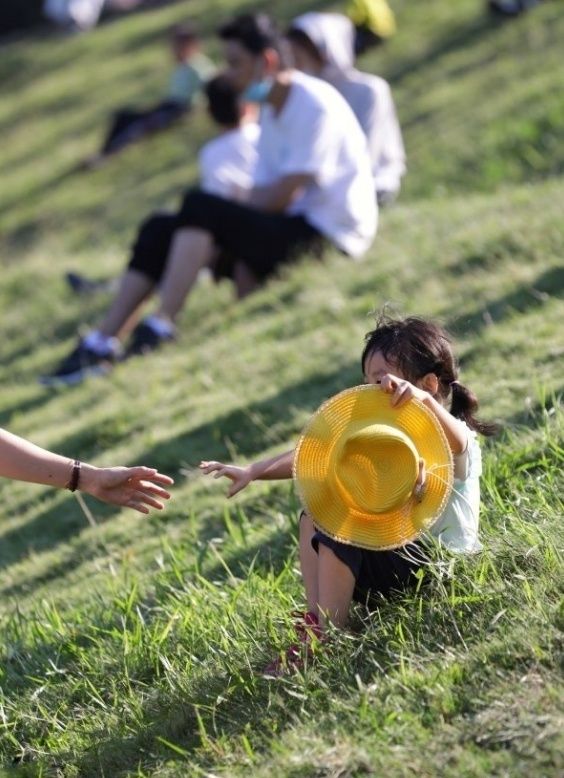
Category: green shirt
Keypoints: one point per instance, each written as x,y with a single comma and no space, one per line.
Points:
187,79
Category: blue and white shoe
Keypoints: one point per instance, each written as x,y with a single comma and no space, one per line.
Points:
81,363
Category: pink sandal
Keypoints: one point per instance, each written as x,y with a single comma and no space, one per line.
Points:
297,656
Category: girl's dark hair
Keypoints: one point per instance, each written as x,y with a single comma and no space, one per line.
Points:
223,101
255,32
418,346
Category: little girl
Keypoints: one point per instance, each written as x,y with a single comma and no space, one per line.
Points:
407,358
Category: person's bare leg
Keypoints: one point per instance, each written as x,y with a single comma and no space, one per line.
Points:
308,562
191,250
335,583
134,289
245,280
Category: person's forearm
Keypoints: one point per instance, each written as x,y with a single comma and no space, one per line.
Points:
276,197
24,461
455,432
273,469
268,199
139,487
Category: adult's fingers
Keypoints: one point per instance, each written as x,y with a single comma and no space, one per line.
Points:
149,487
161,478
143,498
137,506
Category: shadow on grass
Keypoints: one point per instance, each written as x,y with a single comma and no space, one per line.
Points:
244,430
69,562
23,406
64,520
526,296
531,416
457,37
249,430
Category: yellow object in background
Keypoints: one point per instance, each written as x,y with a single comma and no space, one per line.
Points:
374,15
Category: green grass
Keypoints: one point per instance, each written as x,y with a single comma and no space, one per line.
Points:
131,648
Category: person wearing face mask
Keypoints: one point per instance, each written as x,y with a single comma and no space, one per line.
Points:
323,45
312,185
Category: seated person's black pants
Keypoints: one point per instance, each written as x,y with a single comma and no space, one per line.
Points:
130,124
260,240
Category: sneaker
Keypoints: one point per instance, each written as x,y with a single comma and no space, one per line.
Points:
80,364
86,286
145,339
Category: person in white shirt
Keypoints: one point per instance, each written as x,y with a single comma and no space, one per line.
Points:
312,185
323,45
226,166
227,163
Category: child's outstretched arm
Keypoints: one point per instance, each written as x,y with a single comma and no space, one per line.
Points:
273,469
402,391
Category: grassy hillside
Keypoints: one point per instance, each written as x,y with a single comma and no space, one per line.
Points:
131,647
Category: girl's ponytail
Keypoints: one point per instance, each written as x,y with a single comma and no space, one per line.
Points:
464,404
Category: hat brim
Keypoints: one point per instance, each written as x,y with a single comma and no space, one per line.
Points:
328,506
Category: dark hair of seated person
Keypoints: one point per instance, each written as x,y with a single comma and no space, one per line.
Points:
255,32
183,34
223,101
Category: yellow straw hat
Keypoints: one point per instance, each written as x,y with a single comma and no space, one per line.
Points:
356,465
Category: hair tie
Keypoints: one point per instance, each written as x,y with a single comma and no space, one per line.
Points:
455,384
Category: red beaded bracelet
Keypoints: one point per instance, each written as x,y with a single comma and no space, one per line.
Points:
72,485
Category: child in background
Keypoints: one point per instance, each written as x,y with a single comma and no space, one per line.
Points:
226,165
409,358
130,124
227,162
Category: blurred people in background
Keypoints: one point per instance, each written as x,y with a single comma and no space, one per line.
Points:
82,15
511,7
74,14
312,185
192,69
226,165
373,20
322,45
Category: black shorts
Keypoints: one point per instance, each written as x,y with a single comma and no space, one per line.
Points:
376,572
260,240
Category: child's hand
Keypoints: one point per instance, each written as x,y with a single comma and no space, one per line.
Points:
240,476
401,390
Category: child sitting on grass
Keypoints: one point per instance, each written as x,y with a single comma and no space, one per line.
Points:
409,358
129,125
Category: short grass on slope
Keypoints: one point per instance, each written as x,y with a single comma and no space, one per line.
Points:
131,647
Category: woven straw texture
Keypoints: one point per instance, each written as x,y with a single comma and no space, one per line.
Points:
356,464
